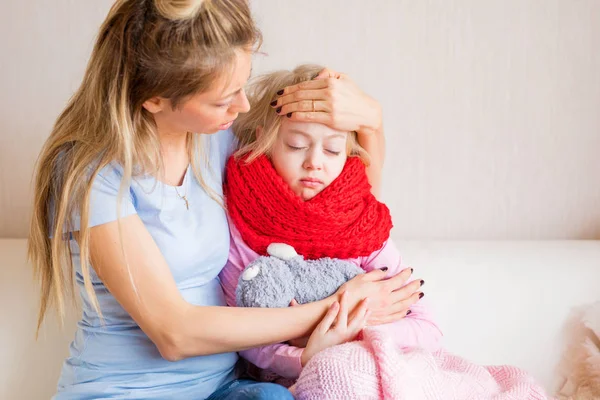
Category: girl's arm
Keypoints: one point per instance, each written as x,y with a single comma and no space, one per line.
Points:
417,329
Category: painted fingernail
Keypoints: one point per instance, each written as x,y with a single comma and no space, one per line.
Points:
278,110
422,282
421,295
289,115
280,92
412,270
273,103
384,269
408,312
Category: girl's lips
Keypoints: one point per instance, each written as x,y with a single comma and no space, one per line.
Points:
311,183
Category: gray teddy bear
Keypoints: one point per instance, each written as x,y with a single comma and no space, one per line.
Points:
274,280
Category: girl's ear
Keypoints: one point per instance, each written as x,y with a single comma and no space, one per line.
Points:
259,130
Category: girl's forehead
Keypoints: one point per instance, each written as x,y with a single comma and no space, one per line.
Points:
311,130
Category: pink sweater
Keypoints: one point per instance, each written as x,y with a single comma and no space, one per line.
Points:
415,330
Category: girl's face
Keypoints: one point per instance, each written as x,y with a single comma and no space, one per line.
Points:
308,156
210,111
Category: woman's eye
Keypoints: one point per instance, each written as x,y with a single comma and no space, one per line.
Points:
295,147
224,105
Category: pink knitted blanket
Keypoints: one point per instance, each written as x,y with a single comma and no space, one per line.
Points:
375,368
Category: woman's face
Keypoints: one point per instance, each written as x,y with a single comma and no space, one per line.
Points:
308,156
210,111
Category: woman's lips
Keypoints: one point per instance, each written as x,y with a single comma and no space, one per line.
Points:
225,126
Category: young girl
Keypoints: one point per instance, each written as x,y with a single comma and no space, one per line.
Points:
128,208
304,184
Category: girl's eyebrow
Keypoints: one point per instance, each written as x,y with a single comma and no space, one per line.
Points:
332,136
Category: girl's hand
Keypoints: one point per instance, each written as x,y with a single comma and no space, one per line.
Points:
337,327
300,342
332,99
389,299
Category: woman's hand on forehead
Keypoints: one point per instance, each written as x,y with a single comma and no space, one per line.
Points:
331,98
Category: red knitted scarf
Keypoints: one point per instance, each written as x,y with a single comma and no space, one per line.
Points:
342,221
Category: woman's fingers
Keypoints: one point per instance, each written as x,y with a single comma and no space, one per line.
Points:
328,73
317,116
376,274
312,106
374,320
398,281
305,97
397,309
287,93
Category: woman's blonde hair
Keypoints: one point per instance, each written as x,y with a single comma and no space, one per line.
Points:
145,48
261,91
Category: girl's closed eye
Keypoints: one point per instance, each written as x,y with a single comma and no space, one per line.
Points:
333,152
296,147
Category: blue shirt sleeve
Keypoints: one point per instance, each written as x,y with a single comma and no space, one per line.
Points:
104,199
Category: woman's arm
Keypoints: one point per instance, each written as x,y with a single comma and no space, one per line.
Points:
139,278
374,143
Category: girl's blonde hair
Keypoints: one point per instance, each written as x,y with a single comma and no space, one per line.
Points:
145,48
261,92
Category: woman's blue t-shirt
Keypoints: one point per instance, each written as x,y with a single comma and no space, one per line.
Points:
114,358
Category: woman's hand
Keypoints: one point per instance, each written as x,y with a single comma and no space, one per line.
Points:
332,99
389,299
337,327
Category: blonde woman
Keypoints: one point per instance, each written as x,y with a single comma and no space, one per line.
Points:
128,207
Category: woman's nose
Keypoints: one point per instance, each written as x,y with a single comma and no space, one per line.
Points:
240,103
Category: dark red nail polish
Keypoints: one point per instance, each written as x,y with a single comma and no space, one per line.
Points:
273,103
421,295
278,110
422,282
408,312
412,270
280,92
384,269
289,115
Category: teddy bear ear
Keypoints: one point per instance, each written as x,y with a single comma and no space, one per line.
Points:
250,272
282,251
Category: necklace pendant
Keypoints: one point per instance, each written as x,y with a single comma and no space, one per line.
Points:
187,203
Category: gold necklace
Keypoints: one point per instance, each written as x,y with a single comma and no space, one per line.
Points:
184,197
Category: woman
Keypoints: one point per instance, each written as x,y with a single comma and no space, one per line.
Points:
129,202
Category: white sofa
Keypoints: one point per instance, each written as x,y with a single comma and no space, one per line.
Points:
497,303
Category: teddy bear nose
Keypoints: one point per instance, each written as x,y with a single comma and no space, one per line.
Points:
250,273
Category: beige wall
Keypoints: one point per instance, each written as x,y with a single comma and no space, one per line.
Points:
491,107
